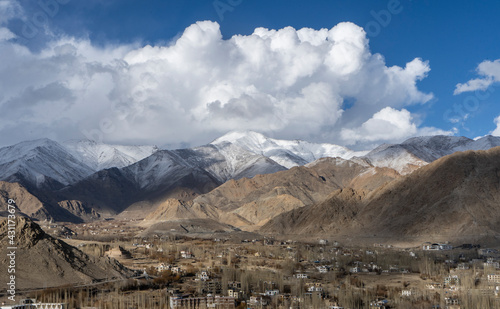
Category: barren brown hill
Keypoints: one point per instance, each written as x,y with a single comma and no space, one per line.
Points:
31,206
188,226
248,203
43,261
27,203
331,216
457,196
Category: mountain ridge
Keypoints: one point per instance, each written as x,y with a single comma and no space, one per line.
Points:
454,197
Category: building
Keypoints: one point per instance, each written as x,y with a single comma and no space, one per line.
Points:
272,292
256,301
452,301
236,294
162,267
315,288
213,286
406,293
433,286
436,247
452,280
203,276
491,263
186,255
32,304
355,269
494,278
322,269
218,302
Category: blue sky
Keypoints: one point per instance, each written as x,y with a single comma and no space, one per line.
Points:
450,37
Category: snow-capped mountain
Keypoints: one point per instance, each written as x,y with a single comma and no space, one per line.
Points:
419,151
284,152
164,168
196,170
100,156
222,162
226,161
39,163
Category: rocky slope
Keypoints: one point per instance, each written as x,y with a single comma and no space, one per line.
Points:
184,173
455,196
29,205
43,261
250,203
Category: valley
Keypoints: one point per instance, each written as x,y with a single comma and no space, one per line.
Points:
250,221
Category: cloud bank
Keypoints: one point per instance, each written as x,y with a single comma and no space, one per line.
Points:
318,85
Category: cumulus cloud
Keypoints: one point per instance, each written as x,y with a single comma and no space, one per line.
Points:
288,83
489,72
496,132
389,124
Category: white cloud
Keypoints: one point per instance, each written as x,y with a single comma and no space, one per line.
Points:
10,9
490,72
291,83
389,124
6,34
496,132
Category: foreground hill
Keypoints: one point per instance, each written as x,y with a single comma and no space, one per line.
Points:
43,261
455,196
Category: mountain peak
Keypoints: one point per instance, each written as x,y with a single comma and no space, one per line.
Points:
234,136
31,162
100,155
288,153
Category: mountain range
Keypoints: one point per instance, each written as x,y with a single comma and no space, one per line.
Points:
242,179
456,196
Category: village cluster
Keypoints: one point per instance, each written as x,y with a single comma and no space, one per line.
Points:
264,272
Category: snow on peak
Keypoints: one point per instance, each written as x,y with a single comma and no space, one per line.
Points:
101,156
285,152
419,151
34,161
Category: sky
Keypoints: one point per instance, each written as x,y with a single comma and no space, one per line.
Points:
182,73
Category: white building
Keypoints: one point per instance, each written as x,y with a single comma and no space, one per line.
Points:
322,269
436,247
355,269
186,255
203,276
272,292
406,293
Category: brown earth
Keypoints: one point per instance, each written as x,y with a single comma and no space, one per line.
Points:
43,261
456,197
249,203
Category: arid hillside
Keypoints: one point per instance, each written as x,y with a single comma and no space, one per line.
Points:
455,196
249,203
43,261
